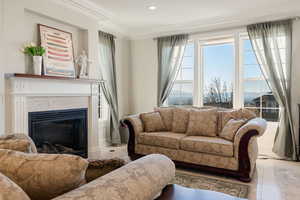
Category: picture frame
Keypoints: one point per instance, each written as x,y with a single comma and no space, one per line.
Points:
58,59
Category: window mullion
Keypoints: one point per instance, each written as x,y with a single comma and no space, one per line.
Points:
200,74
237,93
261,106
195,82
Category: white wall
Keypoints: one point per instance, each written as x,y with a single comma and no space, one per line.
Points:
1,73
20,26
143,75
20,20
295,89
123,62
31,19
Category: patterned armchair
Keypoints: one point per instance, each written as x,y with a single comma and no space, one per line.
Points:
26,174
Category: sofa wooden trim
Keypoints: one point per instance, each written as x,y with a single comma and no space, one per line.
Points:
243,172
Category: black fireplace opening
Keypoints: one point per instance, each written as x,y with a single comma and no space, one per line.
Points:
59,131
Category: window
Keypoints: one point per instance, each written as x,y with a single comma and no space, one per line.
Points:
182,91
224,72
257,94
218,74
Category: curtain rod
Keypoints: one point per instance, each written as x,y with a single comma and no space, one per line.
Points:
115,37
170,35
288,18
296,18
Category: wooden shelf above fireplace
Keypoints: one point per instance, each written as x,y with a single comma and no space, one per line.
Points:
19,75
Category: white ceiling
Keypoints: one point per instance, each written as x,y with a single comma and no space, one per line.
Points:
188,15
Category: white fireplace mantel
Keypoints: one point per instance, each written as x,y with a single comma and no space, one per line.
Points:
31,94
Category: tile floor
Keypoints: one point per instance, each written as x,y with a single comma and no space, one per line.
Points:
265,142
273,180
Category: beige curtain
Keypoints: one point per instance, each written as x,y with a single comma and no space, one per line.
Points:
109,86
272,43
170,55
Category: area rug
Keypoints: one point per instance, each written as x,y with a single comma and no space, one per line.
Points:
202,182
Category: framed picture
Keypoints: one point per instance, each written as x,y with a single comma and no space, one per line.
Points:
58,59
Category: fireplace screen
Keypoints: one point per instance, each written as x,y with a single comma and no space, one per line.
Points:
59,131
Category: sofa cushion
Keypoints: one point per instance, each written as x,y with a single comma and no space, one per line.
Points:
43,176
166,114
22,145
231,127
152,122
11,191
161,139
203,123
210,145
226,115
180,120
17,142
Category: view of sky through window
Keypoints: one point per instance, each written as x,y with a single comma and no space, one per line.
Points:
254,83
182,92
257,94
218,62
218,67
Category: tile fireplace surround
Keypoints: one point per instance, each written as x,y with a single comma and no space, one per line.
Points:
24,95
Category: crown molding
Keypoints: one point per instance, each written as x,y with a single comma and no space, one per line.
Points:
214,24
90,9
108,21
86,7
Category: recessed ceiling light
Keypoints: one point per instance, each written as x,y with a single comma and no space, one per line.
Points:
152,7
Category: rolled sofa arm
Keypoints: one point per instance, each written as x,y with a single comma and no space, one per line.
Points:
135,126
245,146
256,125
142,179
136,123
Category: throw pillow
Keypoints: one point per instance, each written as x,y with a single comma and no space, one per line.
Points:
225,116
11,191
22,145
43,176
167,116
180,120
203,123
230,129
152,122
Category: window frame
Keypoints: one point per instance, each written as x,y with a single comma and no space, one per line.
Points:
192,82
260,108
222,39
236,37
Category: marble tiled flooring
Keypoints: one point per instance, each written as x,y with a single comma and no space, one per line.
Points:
273,180
277,180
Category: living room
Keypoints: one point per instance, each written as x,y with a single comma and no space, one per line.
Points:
149,99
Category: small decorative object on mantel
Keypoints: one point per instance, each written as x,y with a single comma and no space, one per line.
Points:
83,65
59,57
36,52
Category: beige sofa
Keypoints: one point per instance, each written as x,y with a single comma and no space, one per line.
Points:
196,138
25,175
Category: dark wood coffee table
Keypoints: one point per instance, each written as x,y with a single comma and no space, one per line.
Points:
177,192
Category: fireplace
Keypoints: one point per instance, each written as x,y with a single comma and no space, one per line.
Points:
59,131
